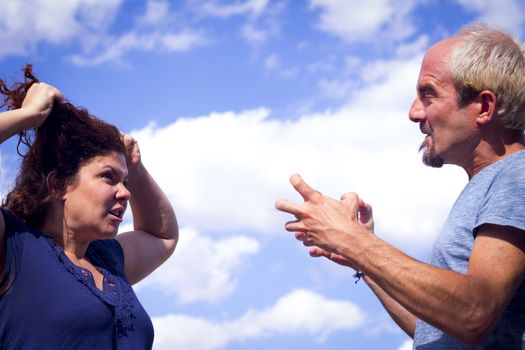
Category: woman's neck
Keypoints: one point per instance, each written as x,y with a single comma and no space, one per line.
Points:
55,226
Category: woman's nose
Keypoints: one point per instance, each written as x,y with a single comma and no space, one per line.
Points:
123,193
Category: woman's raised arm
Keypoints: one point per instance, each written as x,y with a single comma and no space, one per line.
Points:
156,231
35,108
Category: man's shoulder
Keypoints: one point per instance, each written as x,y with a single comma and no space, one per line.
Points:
511,166
516,158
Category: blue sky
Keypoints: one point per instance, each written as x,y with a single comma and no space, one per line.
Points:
229,98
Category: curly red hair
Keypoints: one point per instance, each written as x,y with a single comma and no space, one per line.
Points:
68,138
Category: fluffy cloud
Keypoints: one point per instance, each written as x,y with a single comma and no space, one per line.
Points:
255,35
117,48
271,62
157,11
25,24
299,312
260,16
225,170
203,269
153,32
85,25
216,8
239,164
407,345
336,89
506,14
355,21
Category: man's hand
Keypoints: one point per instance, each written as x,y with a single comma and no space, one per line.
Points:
365,218
327,223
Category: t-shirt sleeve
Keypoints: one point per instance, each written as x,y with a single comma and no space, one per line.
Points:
504,202
108,254
14,235
12,224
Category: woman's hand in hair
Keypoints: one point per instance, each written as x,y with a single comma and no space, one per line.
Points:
39,102
36,106
132,150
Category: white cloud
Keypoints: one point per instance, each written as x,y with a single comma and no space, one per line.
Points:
157,11
217,8
355,21
413,48
507,14
202,269
254,35
227,169
230,181
337,89
85,23
391,81
353,63
407,345
115,50
55,22
182,41
271,62
261,16
321,67
299,312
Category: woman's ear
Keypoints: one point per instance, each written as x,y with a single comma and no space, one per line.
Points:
55,186
487,101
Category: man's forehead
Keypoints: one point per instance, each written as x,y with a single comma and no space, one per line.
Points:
437,55
435,67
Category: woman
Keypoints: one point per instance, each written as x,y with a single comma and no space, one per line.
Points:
66,275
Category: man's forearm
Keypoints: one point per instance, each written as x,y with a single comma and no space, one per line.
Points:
404,319
458,304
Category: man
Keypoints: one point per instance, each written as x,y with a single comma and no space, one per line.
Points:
470,104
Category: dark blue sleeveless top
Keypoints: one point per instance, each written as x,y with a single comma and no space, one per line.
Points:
54,304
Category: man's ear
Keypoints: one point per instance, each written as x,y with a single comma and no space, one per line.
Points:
487,102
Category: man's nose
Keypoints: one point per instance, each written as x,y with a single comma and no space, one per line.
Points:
416,112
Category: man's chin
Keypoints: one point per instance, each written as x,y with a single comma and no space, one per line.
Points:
430,158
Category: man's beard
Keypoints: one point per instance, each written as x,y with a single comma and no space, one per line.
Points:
430,157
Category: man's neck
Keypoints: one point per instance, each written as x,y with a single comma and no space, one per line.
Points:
487,152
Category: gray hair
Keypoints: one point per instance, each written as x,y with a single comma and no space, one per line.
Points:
491,59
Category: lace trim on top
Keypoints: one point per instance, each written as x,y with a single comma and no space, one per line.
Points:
115,292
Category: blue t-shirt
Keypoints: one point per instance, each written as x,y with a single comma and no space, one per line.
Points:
55,304
496,195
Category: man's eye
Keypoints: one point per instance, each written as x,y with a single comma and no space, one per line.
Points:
427,97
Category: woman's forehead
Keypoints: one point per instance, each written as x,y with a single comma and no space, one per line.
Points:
112,159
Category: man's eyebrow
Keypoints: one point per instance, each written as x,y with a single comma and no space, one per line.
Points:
425,88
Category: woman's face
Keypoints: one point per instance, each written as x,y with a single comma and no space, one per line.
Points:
95,202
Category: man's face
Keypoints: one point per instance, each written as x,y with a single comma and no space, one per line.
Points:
450,131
